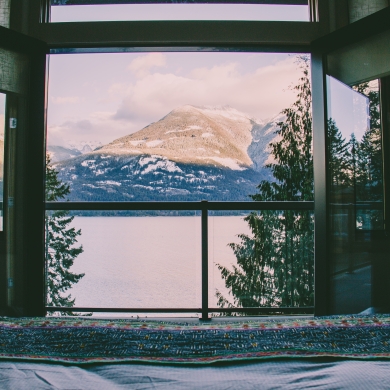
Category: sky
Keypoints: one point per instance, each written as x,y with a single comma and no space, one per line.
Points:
179,12
101,97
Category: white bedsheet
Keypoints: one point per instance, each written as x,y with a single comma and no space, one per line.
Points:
272,374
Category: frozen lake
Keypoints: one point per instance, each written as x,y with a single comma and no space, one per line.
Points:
142,262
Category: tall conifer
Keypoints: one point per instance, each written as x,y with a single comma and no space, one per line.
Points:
275,265
60,245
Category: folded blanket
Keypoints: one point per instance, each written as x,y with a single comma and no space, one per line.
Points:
90,340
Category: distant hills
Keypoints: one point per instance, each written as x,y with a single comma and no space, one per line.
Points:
193,153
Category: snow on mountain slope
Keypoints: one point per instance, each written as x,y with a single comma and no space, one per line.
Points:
263,135
60,153
193,135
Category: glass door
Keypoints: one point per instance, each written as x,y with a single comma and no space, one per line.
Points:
359,253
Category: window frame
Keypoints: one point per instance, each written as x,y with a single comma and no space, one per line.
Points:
86,37
314,38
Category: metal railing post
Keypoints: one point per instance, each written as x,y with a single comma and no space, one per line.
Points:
205,263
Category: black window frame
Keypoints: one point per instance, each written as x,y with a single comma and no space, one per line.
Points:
315,38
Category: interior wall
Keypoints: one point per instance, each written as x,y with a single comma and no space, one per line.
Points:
361,61
359,9
5,7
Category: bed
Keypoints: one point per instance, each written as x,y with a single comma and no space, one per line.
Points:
350,352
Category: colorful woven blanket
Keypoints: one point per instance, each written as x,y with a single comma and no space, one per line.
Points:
88,340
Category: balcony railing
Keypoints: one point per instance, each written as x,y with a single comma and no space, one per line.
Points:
204,207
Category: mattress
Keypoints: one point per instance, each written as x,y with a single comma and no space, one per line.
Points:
319,373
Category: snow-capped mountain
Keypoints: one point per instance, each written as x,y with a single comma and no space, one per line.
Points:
262,136
193,153
60,153
193,135
85,146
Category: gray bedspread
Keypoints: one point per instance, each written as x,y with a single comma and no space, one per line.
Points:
272,374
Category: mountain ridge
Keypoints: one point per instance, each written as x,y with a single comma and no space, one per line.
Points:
192,134
192,153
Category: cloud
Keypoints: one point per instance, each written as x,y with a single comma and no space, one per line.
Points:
99,127
130,100
142,65
65,99
261,93
81,125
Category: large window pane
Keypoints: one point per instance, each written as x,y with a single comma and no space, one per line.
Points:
128,262
169,126
185,127
83,13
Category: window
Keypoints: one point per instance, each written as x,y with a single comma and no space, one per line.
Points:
83,11
162,152
353,55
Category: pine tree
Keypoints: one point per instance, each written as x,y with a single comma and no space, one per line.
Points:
370,180
60,244
341,153
275,265
252,282
369,171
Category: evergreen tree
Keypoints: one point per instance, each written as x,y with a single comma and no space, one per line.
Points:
369,181
252,282
369,170
60,244
341,154
275,264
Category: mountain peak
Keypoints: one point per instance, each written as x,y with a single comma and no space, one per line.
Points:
214,135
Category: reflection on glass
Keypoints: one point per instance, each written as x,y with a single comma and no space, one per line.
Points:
356,197
116,12
137,262
355,147
262,259
2,128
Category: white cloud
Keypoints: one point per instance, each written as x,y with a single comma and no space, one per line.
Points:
142,65
261,93
65,99
98,128
100,105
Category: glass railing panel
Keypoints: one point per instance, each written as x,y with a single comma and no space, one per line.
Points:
262,259
147,259
136,12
